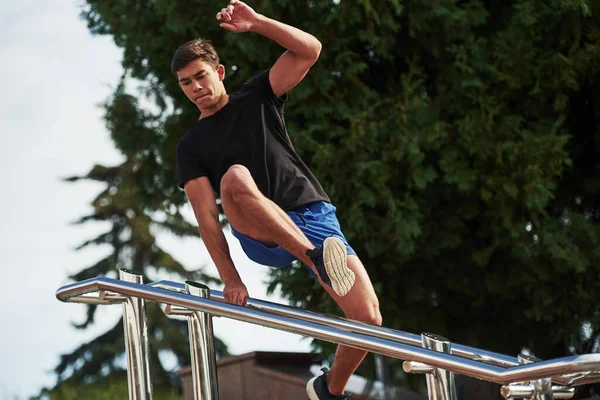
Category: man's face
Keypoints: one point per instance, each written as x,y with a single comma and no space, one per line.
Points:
201,83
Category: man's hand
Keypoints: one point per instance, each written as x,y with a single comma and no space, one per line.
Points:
236,293
237,17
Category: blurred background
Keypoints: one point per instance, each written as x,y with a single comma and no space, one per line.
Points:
459,140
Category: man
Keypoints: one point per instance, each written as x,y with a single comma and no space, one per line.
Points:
240,149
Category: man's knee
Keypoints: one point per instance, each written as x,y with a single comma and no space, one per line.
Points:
237,180
368,312
374,316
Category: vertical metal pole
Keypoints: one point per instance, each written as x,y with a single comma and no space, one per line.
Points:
543,389
136,342
202,348
382,376
440,383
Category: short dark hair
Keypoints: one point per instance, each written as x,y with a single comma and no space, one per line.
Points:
193,50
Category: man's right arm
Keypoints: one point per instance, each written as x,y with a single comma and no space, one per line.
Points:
201,197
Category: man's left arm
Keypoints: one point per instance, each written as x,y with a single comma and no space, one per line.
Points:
302,52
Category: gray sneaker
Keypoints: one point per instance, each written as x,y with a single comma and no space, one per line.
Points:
331,261
317,389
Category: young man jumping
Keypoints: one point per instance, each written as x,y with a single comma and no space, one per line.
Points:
240,149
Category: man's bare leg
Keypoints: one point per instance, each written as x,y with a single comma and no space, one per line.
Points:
359,304
257,217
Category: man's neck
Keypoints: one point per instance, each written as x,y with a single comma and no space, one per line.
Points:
207,112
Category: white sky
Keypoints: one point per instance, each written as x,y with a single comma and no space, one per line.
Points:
53,75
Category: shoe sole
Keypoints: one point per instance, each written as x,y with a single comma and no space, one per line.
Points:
335,259
310,389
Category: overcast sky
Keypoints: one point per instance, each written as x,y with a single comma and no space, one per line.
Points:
53,75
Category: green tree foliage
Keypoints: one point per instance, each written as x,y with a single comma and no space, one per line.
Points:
133,216
459,140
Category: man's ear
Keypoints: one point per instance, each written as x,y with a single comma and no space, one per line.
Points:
221,71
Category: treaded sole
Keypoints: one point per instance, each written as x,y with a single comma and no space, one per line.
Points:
310,389
335,259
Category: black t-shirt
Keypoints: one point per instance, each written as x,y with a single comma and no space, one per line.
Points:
249,130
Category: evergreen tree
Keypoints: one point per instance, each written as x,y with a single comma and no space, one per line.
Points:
134,218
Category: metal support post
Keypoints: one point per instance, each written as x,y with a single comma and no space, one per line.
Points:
540,389
381,372
136,342
543,389
202,348
440,382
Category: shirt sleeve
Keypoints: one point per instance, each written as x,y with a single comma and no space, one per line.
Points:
188,161
262,84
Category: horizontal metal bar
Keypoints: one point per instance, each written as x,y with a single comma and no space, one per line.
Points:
526,391
113,297
475,369
412,367
95,298
352,326
385,333
583,379
174,310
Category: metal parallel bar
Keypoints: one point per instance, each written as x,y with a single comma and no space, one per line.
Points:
456,364
584,379
136,342
386,333
352,326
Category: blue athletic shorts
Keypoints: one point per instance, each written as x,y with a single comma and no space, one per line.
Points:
317,220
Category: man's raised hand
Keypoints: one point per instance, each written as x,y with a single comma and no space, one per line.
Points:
237,17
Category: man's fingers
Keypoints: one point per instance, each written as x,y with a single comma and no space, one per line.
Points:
236,296
229,27
225,14
242,296
232,298
240,299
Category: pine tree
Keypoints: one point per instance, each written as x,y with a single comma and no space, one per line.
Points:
134,218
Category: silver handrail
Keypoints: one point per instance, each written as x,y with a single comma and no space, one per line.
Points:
77,292
352,326
472,353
